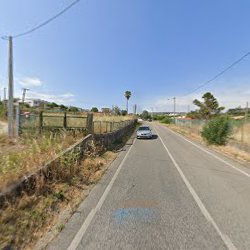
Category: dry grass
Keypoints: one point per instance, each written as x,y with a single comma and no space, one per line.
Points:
242,133
3,128
227,150
25,222
17,159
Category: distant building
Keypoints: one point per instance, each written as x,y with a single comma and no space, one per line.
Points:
34,103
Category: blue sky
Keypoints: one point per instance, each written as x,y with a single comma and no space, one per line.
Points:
156,49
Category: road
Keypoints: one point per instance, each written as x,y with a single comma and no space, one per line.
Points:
164,193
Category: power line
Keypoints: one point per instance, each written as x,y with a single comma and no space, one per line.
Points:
45,22
219,74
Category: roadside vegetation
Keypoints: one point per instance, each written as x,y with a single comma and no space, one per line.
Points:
3,112
24,222
27,218
226,132
18,158
217,131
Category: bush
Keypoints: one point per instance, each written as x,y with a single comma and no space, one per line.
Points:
159,117
166,120
217,131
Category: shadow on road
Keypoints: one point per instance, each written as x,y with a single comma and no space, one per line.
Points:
153,138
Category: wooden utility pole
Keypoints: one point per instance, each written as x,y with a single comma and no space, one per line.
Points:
11,92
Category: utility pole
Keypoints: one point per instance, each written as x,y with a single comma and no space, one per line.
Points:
244,123
4,97
11,91
24,94
135,109
174,109
4,94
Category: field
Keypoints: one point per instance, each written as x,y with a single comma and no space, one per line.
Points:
239,144
20,157
240,129
24,222
103,123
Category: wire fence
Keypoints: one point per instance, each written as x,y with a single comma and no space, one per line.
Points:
41,122
240,128
192,125
108,126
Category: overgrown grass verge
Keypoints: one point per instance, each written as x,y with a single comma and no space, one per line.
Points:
17,159
227,150
23,223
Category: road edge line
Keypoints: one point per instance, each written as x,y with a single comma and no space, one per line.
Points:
198,201
79,235
210,153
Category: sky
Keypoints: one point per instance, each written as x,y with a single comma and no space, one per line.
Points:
157,49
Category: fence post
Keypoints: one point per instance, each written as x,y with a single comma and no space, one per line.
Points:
40,122
65,120
90,128
100,127
106,127
110,126
17,121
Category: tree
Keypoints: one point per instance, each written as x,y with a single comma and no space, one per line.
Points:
209,107
145,115
73,109
52,105
62,107
127,94
194,114
124,112
94,109
117,110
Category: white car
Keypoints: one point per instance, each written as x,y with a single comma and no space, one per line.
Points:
144,132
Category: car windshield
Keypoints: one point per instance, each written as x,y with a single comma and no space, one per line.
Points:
144,128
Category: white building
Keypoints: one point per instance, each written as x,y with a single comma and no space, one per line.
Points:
34,103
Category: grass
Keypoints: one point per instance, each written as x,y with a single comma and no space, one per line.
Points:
241,133
228,150
17,159
25,222
102,122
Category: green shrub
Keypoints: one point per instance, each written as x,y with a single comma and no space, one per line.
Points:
217,131
166,120
159,117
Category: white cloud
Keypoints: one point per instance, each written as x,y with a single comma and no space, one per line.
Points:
30,82
229,98
60,99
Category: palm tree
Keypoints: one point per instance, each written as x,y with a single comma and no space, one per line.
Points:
127,95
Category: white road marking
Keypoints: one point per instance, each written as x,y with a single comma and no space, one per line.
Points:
78,237
211,154
200,204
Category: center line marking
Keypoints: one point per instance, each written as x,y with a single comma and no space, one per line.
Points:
200,204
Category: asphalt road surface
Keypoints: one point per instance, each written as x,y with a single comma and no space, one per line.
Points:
164,193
